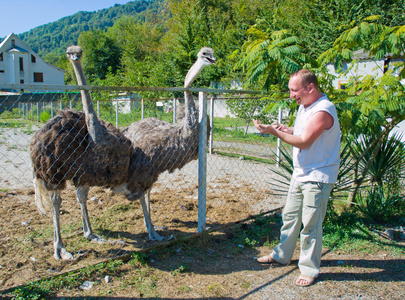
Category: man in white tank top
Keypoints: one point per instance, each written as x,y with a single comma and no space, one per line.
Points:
315,139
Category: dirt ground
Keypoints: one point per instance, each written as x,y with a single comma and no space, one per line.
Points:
26,238
218,269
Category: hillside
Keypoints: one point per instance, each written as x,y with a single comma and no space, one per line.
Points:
54,37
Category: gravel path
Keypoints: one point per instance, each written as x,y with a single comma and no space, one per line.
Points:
16,169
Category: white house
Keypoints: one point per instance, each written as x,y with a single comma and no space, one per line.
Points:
366,65
19,64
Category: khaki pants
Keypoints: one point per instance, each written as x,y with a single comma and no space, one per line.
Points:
306,205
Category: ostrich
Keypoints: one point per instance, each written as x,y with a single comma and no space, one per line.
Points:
78,147
161,146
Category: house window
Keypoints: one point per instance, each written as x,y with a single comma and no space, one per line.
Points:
21,64
342,85
33,59
38,77
13,43
22,81
1,56
1,71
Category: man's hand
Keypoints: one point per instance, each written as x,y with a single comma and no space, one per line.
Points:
282,128
273,128
265,128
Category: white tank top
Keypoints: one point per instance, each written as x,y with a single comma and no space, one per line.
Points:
320,161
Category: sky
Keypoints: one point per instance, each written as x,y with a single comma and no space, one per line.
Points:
18,16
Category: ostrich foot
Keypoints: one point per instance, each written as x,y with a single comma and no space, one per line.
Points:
96,239
118,243
154,236
61,253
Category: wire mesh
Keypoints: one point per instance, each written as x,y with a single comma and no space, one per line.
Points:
238,183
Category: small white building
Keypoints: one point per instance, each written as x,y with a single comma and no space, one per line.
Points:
19,64
366,65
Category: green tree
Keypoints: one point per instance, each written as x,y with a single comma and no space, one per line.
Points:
322,22
101,55
248,109
373,105
268,57
220,25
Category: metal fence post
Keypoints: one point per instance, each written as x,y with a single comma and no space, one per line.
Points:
37,112
211,124
174,110
202,162
98,109
143,108
280,120
116,113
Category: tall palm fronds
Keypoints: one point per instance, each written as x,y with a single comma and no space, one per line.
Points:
388,162
270,57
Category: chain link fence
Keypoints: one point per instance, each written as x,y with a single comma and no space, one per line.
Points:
239,181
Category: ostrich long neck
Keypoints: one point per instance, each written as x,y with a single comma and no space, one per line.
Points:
93,124
190,110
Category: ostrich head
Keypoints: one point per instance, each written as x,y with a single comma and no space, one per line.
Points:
74,53
204,58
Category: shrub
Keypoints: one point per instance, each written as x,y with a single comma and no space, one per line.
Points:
45,116
377,204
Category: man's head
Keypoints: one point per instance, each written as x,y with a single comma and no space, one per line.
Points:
303,87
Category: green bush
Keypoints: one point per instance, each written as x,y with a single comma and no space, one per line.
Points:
377,203
7,115
45,116
31,292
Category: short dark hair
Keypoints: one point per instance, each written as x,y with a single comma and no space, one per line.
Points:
307,77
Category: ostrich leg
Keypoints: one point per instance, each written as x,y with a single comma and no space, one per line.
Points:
145,203
81,193
60,251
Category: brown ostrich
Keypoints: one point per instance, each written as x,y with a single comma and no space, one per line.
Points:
76,147
161,146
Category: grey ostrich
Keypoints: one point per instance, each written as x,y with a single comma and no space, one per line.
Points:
77,147
161,146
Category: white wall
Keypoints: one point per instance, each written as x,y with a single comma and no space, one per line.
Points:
11,65
362,69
